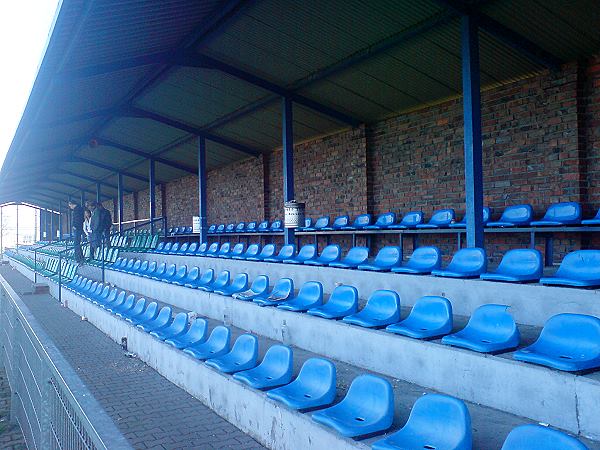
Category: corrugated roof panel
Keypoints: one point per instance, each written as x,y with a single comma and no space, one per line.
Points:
108,155
143,134
198,96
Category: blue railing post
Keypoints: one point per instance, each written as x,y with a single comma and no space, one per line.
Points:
288,160
472,132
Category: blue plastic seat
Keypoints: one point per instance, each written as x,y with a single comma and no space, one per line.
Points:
169,274
201,280
360,222
179,276
183,248
410,220
423,261
192,249
152,266
250,227
195,334
243,356
220,282
383,221
514,216
440,219
382,309
230,228
319,225
216,345
309,296
463,222
466,263
132,269
177,328
354,258
220,229
138,308
387,258
240,227
259,287
126,306
275,369
338,223
115,301
518,266
159,247
314,387
223,250
212,229
263,227
276,227
212,249
159,272
281,291
307,224
239,284
367,408
268,251
251,252
162,320
490,329
202,249
580,268
237,251
342,302
148,314
569,342
306,253
436,421
430,317
191,277
330,254
167,248
286,252
529,437
567,213
594,221
174,248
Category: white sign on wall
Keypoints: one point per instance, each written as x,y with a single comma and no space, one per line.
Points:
196,224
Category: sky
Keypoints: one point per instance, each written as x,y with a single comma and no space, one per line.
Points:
24,28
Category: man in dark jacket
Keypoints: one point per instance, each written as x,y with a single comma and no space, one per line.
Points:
77,229
106,224
97,228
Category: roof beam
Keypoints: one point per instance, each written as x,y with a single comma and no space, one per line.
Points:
109,168
134,151
174,123
509,37
90,179
190,59
72,186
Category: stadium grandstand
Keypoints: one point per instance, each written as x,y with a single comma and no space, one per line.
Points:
335,225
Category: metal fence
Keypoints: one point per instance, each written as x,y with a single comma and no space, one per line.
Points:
48,400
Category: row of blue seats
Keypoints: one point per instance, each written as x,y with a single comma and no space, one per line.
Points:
559,214
491,328
580,268
435,421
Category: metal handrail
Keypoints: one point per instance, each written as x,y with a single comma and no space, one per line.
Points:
64,395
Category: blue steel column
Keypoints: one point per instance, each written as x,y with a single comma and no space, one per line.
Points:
152,193
202,188
98,192
472,130
288,160
60,220
17,227
51,226
83,198
120,200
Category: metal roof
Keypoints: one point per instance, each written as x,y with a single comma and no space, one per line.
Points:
143,77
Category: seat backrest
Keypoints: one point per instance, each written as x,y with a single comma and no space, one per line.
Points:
183,247
357,254
225,248
193,273
164,316
431,309
341,221
260,284
263,226
282,289
220,228
207,276
212,228
251,226
160,270
252,250
136,266
277,225
245,346
318,376
577,334
219,336
287,251
307,251
139,307
238,249
151,267
517,214
188,230
388,255
268,251
486,215
468,259
230,227
447,418
580,265
175,247
214,247
168,246
426,257
331,252
537,437
522,261
443,217
180,321
277,360
322,222
412,218
362,220
307,222
492,319
223,278
192,248
197,330
383,302
343,296
567,212
181,271
240,281
144,266
160,246
386,219
311,290
171,269
240,227
373,396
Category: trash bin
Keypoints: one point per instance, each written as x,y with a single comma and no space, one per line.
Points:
294,214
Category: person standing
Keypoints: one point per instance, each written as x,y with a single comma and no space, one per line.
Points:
87,229
97,229
77,229
106,224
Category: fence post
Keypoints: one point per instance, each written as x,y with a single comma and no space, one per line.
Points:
45,409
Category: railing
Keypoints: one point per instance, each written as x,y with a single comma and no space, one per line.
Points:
50,403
